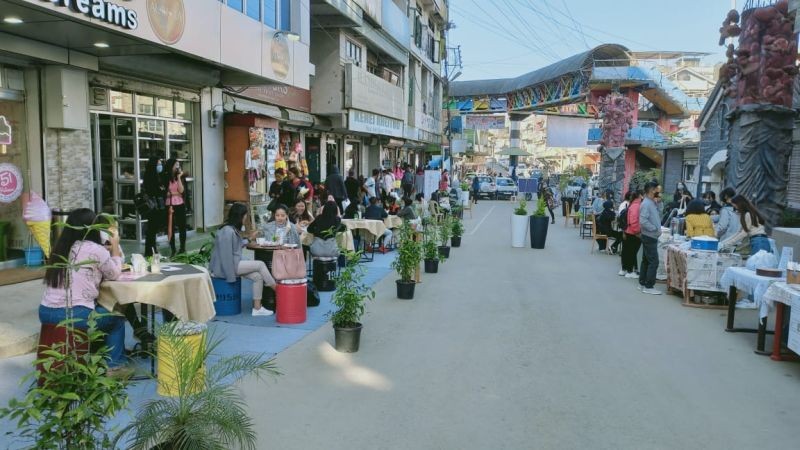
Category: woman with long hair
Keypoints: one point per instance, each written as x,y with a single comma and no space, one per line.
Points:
632,241
176,204
698,221
300,215
728,223
327,222
77,290
752,223
153,186
226,258
280,227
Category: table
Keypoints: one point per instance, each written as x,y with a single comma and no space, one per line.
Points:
376,228
695,270
344,239
780,294
393,222
755,285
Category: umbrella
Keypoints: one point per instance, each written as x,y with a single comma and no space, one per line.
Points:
513,151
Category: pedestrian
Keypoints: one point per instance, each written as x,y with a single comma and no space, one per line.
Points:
728,223
176,205
550,201
710,202
419,181
226,258
753,226
290,188
407,182
698,221
605,227
153,186
352,186
444,182
388,186
371,184
650,232
476,189
275,189
335,187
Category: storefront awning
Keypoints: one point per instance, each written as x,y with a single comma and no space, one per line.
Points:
240,105
394,143
297,118
717,158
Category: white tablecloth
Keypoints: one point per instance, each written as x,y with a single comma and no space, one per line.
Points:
778,292
746,280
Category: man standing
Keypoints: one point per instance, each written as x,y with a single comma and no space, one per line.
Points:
371,183
388,186
352,186
407,182
650,223
335,187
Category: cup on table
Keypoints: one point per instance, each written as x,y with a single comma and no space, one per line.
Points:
261,241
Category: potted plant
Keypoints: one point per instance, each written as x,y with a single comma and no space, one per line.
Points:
444,231
407,261
208,410
539,223
519,224
349,298
457,230
431,251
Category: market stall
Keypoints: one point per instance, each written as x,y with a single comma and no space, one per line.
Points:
690,271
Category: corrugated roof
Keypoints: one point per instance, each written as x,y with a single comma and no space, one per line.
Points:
575,63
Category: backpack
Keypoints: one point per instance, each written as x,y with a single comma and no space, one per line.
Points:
408,178
622,220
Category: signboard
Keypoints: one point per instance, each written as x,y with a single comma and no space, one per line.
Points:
168,19
485,122
104,11
280,56
10,183
367,92
432,178
367,122
278,94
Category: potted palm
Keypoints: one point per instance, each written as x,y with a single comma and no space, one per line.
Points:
349,298
407,261
457,230
208,411
431,251
519,224
444,231
539,223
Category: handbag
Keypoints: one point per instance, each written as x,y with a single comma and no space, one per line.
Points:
288,264
144,203
324,248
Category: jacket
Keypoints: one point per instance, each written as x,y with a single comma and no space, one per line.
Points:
649,219
699,225
290,234
741,234
375,212
227,254
335,185
604,222
407,213
728,224
633,217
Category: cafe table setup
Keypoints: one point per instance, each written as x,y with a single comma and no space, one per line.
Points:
367,228
696,265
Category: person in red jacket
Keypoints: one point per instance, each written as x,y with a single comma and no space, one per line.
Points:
632,241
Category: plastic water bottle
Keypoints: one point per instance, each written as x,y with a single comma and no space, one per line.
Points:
787,254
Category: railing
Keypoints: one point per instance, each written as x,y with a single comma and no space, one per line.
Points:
645,132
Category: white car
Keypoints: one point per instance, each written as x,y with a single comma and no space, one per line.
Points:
504,187
488,188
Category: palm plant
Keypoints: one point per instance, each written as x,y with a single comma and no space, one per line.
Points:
208,411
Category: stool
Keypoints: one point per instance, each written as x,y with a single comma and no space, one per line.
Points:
291,301
324,273
52,334
228,296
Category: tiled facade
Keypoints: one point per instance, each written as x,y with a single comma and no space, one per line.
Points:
68,168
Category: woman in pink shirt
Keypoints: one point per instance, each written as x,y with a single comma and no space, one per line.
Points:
175,203
632,241
81,245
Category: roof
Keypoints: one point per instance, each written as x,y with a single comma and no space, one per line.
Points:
574,63
693,71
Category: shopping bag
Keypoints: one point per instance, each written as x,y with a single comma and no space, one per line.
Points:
288,264
324,248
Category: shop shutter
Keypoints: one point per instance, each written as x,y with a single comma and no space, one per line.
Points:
793,194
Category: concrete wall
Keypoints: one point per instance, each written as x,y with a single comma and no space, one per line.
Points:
327,87
672,170
714,137
213,161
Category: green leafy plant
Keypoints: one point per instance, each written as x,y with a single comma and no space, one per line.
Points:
464,186
430,249
409,253
199,258
75,397
790,218
212,416
351,293
642,177
522,208
541,207
445,230
457,228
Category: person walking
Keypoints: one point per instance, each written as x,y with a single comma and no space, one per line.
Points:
649,221
153,186
371,184
549,199
629,224
352,186
407,182
335,187
476,189
387,186
176,205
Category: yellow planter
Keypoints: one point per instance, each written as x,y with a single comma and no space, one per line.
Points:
181,357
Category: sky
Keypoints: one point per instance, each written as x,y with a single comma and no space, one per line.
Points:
507,38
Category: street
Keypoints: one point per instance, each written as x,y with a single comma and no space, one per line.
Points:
529,349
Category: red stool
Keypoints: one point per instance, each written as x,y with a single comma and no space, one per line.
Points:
51,334
291,301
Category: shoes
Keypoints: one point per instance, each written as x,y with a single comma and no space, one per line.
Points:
622,273
552,222
262,312
631,275
120,372
651,291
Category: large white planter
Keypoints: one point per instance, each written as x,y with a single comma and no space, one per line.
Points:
464,198
519,230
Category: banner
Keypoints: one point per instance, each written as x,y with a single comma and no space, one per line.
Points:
485,122
570,132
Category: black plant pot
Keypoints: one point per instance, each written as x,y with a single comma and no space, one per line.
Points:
539,231
405,289
346,340
431,266
455,241
444,251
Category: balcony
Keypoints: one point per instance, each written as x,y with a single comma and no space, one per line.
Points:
367,92
645,133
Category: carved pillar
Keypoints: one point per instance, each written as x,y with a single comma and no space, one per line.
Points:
612,170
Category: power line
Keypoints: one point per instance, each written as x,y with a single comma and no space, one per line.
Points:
532,31
583,35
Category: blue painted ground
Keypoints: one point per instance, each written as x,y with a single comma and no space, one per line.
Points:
241,334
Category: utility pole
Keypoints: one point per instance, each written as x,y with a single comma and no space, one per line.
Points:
449,66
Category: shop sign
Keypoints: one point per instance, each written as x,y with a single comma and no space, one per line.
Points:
10,183
366,122
102,10
278,94
485,122
280,56
167,18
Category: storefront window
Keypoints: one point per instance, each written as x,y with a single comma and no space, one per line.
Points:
165,108
145,105
121,102
13,151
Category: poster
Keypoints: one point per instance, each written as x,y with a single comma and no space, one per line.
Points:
432,178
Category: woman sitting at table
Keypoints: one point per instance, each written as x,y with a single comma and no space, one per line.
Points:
376,212
352,209
300,215
393,208
324,229
280,229
752,223
407,212
226,258
698,222
78,244
605,226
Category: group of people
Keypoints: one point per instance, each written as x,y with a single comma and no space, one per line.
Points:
165,185
637,223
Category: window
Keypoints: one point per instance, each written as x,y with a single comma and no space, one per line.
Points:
352,51
286,15
271,13
236,4
689,167
373,69
254,9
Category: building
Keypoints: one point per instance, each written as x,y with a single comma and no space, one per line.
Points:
377,83
89,91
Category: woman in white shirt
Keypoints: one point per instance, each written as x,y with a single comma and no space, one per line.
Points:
752,223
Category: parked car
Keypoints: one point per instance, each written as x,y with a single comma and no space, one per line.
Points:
488,188
504,187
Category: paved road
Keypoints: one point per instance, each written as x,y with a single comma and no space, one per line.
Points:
529,349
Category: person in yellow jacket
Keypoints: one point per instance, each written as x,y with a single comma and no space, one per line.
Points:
698,222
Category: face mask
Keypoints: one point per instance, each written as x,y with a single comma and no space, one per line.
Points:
159,168
707,201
